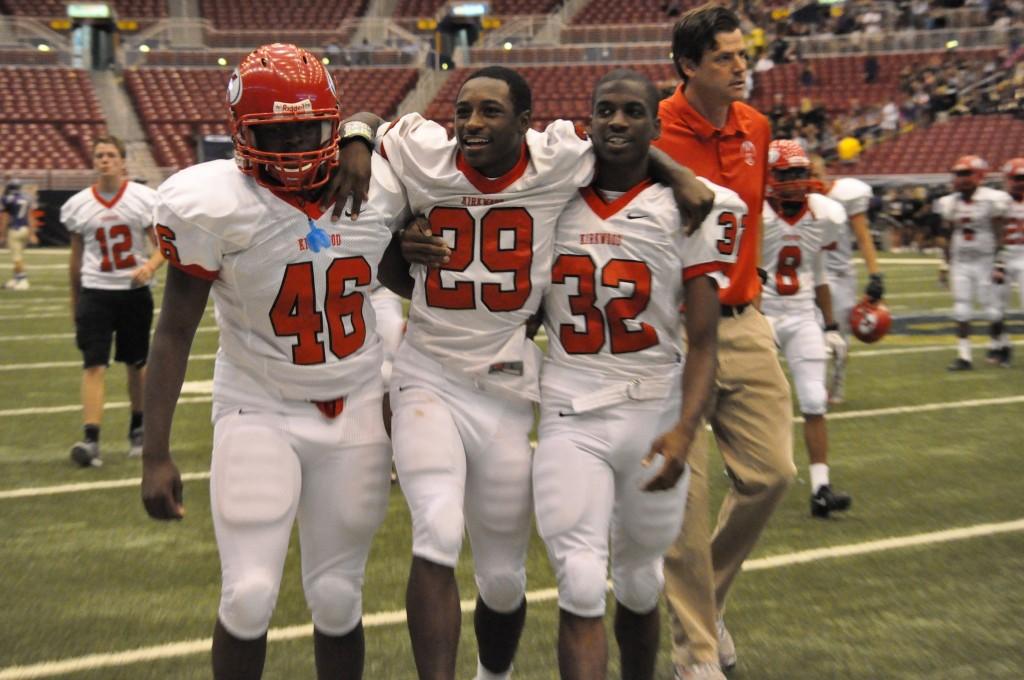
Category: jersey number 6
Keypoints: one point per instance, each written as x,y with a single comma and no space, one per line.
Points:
295,312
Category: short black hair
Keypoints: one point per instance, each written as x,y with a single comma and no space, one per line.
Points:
518,88
694,33
651,93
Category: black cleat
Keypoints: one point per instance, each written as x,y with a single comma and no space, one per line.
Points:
993,355
86,454
1005,354
827,500
960,365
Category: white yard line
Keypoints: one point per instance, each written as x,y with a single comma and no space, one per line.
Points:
48,313
78,363
49,669
120,483
45,410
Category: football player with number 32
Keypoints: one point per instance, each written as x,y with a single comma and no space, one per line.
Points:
297,390
798,228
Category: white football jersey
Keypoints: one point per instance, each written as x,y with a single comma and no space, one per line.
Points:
793,254
855,197
469,314
1013,228
971,221
299,322
617,280
115,233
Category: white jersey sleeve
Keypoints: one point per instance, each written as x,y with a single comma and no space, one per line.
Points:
115,233
855,197
702,253
469,314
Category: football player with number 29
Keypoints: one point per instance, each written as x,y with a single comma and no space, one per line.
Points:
798,228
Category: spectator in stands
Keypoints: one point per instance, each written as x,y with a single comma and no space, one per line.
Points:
807,75
890,119
764,62
871,69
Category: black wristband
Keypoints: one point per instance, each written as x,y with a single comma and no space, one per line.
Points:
763,273
831,327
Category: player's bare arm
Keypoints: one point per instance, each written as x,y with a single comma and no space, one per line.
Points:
862,232
702,316
143,274
185,299
75,270
393,270
352,176
695,200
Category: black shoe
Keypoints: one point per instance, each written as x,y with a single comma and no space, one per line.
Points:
960,365
827,500
1004,356
993,355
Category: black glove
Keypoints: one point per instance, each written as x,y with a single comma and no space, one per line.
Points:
875,289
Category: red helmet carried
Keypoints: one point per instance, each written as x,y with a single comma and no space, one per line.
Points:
281,83
785,155
870,321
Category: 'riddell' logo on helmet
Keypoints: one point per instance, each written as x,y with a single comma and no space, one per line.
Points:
305,106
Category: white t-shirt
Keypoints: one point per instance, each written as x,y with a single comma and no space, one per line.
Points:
971,221
1013,228
617,279
793,254
115,233
469,315
855,197
298,322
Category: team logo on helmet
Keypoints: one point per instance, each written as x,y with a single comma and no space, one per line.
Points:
234,88
773,155
870,321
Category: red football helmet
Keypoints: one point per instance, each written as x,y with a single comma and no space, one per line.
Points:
870,321
1013,174
968,172
282,83
789,172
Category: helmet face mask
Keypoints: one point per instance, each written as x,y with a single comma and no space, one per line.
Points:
789,175
285,118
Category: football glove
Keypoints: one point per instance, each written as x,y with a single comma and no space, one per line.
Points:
835,344
876,288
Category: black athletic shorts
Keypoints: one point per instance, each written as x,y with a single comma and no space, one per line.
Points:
123,315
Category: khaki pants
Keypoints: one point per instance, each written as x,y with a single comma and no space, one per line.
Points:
751,416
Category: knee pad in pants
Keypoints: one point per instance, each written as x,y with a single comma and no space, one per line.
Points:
336,602
638,587
246,606
502,591
582,582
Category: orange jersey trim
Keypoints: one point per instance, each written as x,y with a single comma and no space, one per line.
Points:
605,210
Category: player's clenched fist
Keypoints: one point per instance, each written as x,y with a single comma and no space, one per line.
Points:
674,446
161,489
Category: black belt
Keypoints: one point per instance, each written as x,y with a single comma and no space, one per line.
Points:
733,310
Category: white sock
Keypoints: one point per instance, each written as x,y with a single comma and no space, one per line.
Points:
819,476
963,346
484,674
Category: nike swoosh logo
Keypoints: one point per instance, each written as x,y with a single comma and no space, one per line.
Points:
635,216
564,414
403,388
820,501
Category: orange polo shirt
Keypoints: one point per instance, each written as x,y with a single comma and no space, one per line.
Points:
735,156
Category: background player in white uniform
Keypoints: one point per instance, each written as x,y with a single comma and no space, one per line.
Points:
17,225
297,389
611,384
855,197
973,215
111,275
1010,258
798,227
465,375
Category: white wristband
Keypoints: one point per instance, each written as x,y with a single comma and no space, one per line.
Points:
357,129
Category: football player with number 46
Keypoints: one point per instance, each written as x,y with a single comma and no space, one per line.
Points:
297,391
798,228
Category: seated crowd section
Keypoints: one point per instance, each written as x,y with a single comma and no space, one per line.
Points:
912,111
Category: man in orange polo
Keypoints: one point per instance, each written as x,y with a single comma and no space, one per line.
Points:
706,127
